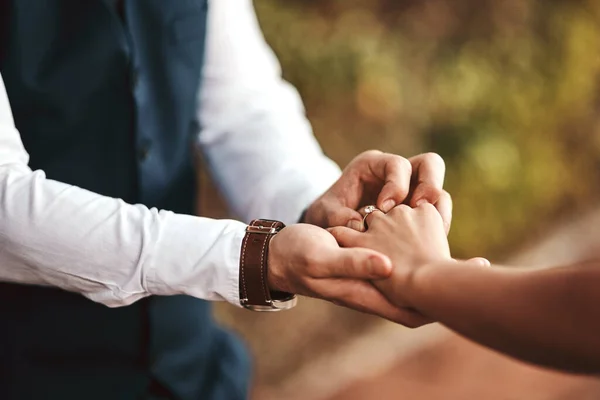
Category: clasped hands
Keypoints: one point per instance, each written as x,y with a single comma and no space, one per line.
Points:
332,257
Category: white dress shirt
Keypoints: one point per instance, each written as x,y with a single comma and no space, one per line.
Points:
261,151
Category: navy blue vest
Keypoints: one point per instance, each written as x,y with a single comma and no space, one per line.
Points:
107,102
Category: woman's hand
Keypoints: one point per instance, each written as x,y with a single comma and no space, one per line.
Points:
411,237
306,260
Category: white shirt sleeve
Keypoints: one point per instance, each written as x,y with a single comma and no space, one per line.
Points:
109,251
254,133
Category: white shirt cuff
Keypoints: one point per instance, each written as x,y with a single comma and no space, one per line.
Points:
198,257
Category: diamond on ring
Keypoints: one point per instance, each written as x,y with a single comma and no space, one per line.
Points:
368,210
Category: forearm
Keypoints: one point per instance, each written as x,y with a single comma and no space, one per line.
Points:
112,252
264,180
549,317
255,135
263,155
115,253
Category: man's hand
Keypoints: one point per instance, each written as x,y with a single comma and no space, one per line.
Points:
411,238
386,180
307,260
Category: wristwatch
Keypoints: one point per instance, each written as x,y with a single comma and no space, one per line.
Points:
254,289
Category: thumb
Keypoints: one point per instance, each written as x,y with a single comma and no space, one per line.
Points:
357,263
346,237
351,218
356,225
339,215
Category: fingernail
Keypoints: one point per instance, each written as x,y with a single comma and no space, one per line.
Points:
420,202
387,205
484,262
356,225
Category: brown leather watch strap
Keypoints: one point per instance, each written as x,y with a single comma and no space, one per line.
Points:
254,287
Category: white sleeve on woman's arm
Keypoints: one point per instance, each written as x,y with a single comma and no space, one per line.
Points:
109,251
254,131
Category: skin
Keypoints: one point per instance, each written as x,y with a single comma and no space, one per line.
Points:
385,180
546,316
305,259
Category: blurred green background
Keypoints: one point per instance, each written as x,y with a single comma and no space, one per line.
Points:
506,91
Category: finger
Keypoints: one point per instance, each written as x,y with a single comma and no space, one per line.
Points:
444,207
370,216
335,214
394,171
355,221
426,208
429,170
346,237
348,217
356,225
401,211
357,263
364,297
423,192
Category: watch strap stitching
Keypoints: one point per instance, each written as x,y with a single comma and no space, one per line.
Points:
263,265
243,267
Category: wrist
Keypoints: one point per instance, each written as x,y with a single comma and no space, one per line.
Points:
275,267
421,283
255,292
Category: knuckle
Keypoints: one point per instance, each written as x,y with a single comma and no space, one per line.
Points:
379,217
445,200
360,160
375,216
404,163
429,209
434,159
445,196
434,192
400,210
400,162
371,153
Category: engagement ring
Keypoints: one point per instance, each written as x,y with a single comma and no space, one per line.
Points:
366,211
